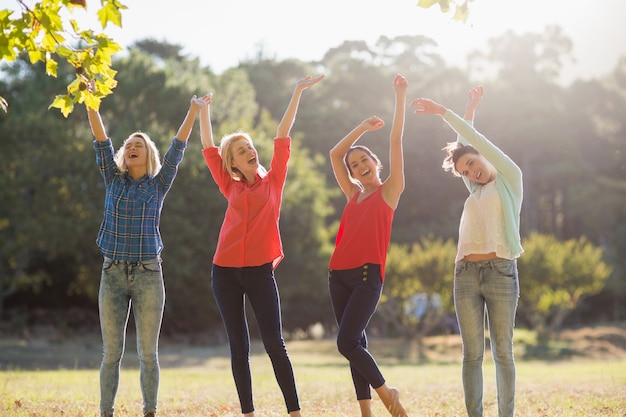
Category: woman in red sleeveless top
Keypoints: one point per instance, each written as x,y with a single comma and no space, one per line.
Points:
357,266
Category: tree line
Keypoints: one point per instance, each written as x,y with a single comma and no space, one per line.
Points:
569,141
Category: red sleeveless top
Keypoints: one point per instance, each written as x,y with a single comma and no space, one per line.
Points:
364,233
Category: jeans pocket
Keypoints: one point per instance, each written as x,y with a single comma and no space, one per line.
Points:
152,265
506,268
107,264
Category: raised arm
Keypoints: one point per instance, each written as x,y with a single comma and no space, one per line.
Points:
474,97
469,135
284,127
194,106
427,106
339,151
206,129
394,184
97,127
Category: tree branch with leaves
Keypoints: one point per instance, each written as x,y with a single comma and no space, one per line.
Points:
42,32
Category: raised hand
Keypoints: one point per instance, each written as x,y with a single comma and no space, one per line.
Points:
372,123
309,81
474,97
400,83
201,101
427,106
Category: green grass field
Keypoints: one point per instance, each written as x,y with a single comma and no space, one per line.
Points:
198,382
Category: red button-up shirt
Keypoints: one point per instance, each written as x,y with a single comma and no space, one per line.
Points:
250,235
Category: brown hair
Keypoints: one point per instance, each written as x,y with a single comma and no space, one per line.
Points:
454,152
379,165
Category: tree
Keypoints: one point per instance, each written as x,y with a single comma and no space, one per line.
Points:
555,276
48,210
424,269
41,32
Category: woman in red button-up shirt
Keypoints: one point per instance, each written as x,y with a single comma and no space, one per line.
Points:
249,247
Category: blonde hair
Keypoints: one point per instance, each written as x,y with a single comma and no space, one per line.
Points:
153,162
226,150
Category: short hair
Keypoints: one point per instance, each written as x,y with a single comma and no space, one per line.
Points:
454,152
153,161
227,153
379,165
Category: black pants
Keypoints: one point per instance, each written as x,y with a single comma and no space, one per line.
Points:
230,287
355,294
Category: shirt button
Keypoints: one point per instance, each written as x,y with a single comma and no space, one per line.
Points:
365,266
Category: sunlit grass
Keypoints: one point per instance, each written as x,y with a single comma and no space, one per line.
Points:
203,386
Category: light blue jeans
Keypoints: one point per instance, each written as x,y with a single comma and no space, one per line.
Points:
489,287
123,283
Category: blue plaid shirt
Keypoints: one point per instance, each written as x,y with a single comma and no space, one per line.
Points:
132,209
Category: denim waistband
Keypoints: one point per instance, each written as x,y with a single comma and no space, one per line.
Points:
481,264
132,263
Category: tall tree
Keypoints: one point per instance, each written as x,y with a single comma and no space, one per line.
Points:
48,171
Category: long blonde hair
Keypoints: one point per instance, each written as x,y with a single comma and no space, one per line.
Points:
153,160
226,152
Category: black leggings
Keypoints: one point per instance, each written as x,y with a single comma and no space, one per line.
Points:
230,287
355,294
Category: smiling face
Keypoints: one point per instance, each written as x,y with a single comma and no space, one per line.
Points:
363,166
476,168
135,153
244,158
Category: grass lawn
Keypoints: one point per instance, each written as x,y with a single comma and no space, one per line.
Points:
196,381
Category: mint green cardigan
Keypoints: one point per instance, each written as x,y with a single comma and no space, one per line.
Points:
508,177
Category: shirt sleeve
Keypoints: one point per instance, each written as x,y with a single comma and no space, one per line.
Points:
214,162
280,160
105,159
172,158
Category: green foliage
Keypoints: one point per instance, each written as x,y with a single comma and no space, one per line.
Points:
555,276
427,268
303,274
41,32
569,145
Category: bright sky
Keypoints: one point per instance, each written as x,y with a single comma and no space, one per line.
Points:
223,32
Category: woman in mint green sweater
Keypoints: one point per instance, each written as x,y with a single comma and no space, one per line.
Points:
485,276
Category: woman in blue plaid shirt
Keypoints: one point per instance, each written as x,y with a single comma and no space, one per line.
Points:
129,239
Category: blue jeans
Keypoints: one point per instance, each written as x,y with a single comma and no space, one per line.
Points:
123,283
355,294
230,287
489,287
